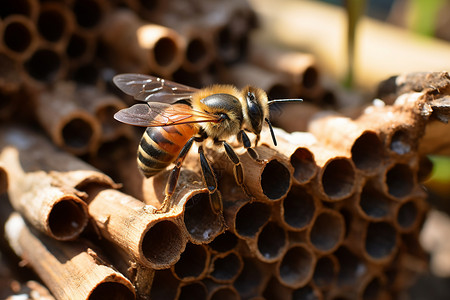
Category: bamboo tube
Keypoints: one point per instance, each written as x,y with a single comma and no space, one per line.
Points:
401,51
372,204
89,14
225,267
296,268
19,37
363,146
222,292
307,292
55,24
223,243
380,241
193,263
409,215
10,82
28,8
253,277
325,272
53,208
372,287
276,85
70,126
155,240
300,67
270,244
327,231
276,290
4,182
351,266
80,48
298,209
295,146
165,286
142,47
45,65
268,181
94,280
192,290
397,181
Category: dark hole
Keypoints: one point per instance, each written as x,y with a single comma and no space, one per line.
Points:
17,37
51,25
112,291
367,151
271,240
275,180
164,51
43,65
380,240
162,243
77,133
67,219
87,12
251,217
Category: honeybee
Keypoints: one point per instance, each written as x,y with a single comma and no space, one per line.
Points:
177,115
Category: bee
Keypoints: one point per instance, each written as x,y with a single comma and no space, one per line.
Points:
177,115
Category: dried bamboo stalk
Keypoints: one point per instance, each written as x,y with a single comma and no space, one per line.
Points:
54,209
193,263
69,125
354,139
155,240
142,47
276,85
77,271
46,64
19,37
296,268
301,67
55,24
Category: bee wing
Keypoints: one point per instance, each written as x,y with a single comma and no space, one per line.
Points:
162,114
149,88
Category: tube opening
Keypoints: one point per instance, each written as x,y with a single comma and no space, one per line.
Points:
167,286
162,243
87,13
105,115
165,51
351,267
296,266
201,222
111,290
407,214
275,180
338,178
67,219
51,25
400,180
225,293
381,240
196,51
328,231
306,293
310,77
251,217
14,7
194,290
77,133
192,262
298,208
374,203
372,290
17,37
77,46
304,165
367,151
325,272
224,242
250,278
401,142
43,65
272,241
226,268
278,91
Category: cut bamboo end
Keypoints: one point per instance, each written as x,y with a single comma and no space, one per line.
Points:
11,78
249,219
27,8
55,24
192,290
19,38
409,214
89,14
276,290
156,240
225,267
398,181
380,241
298,208
193,263
45,65
327,231
164,286
296,268
308,292
271,243
80,48
223,292
325,272
95,278
253,277
223,242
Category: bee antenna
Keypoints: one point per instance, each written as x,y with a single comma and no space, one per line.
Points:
283,100
271,131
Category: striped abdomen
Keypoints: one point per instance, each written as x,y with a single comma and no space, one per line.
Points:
161,145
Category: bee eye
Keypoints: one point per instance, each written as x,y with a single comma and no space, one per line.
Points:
224,116
251,96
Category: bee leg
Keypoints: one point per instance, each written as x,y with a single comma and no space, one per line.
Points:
173,177
248,145
211,183
237,169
